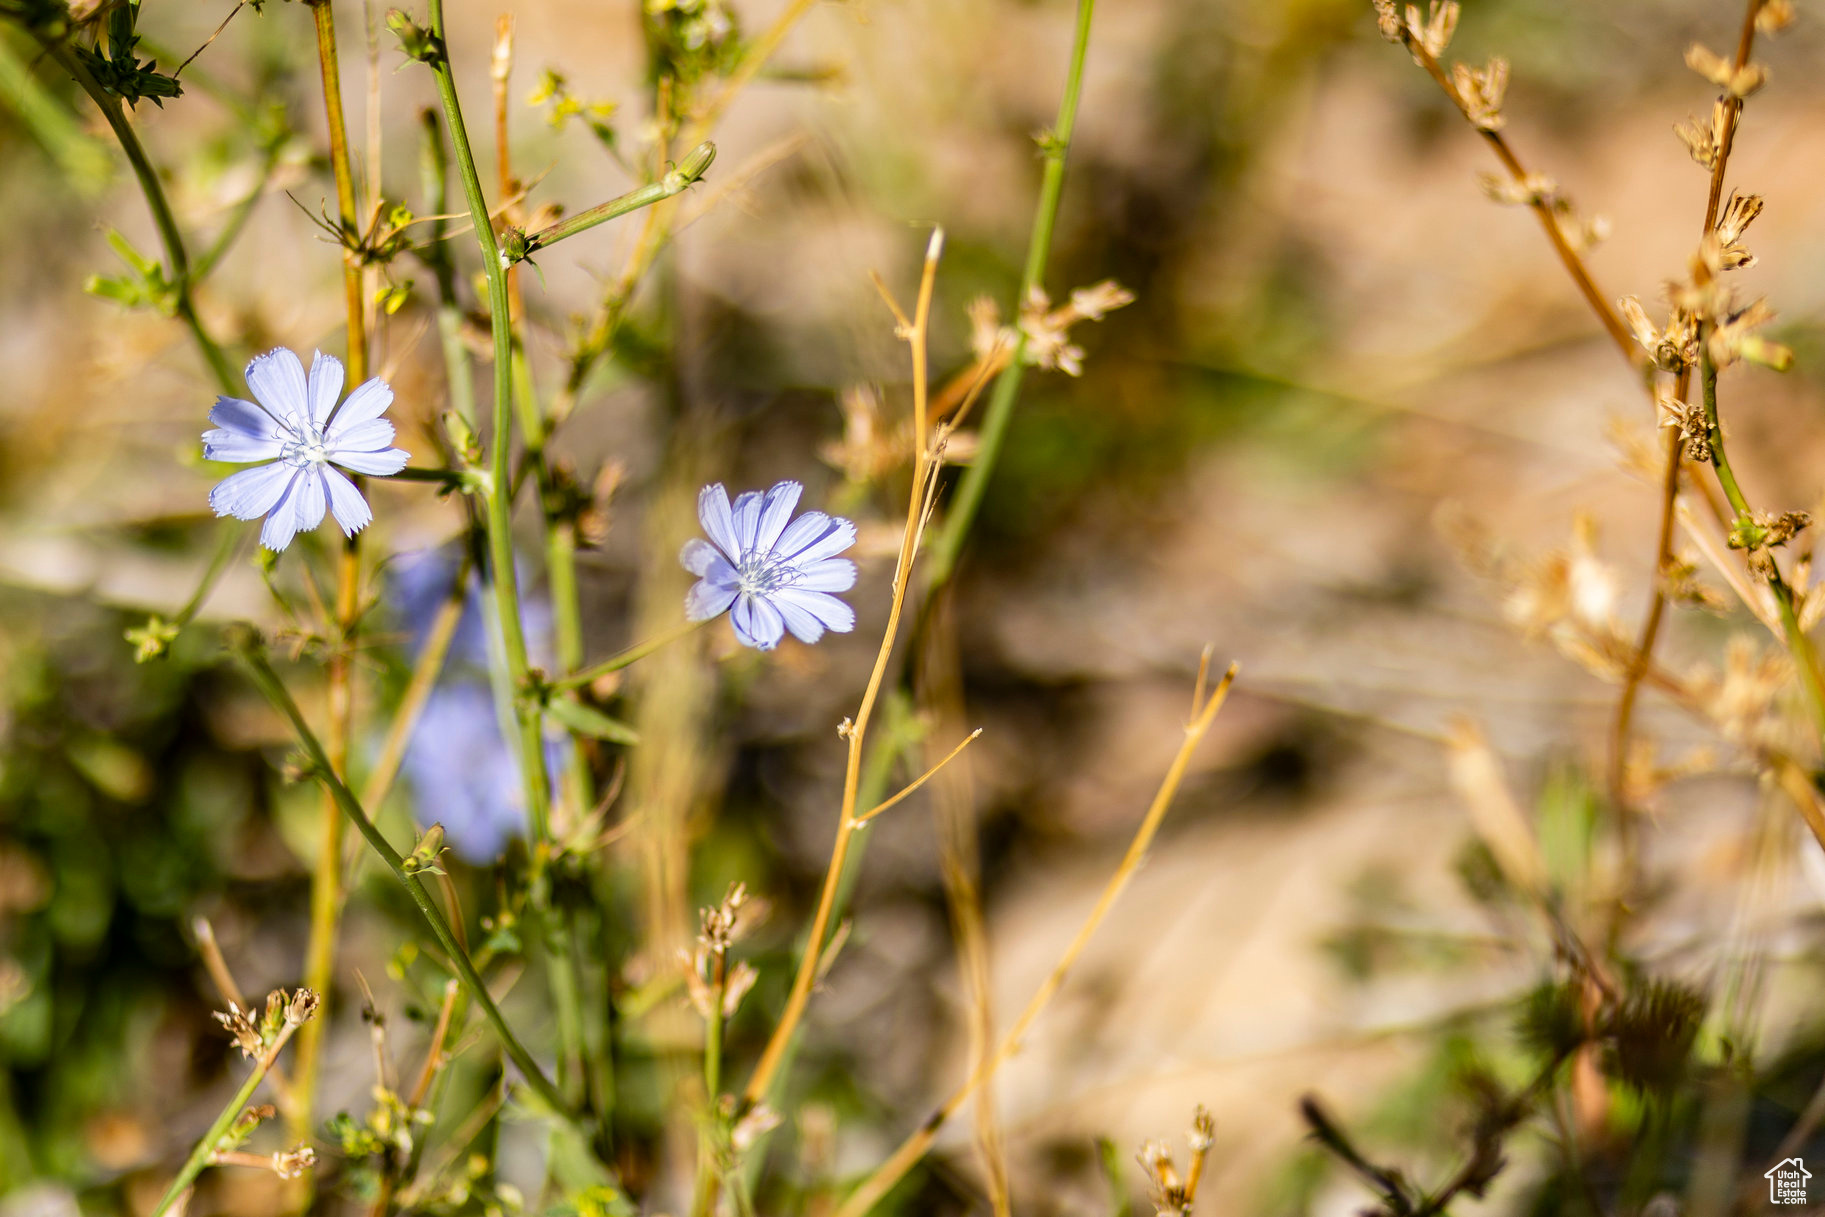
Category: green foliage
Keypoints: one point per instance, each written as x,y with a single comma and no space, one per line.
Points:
147,286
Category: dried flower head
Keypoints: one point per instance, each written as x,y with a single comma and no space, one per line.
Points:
758,1121
1203,1130
1680,579
302,1007
1164,1186
1744,702
1738,214
1736,338
873,446
741,979
1432,35
1774,16
1097,301
241,1027
1738,82
1672,348
1584,234
1570,588
730,921
292,1163
1048,330
1704,141
1689,420
1534,190
1480,92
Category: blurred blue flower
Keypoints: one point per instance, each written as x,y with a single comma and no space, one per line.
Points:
769,575
463,774
294,423
419,582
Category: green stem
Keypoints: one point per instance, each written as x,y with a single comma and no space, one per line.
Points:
1805,658
261,669
688,171
503,578
625,658
169,236
205,1149
228,539
708,1174
945,550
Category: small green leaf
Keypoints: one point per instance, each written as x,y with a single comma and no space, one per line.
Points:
587,720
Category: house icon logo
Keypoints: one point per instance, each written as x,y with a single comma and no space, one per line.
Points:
1787,1182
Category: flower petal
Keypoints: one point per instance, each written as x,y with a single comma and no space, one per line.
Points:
804,624
293,515
708,599
775,510
827,537
800,533
747,523
309,500
325,386
371,436
717,520
699,555
375,464
237,446
346,504
368,401
251,493
827,575
757,623
277,381
234,414
838,616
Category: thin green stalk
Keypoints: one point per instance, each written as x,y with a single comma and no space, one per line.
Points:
199,1157
267,680
503,578
228,539
176,257
708,1175
1805,659
523,245
632,655
948,545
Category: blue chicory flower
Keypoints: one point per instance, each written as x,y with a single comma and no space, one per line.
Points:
463,774
769,575
462,771
294,422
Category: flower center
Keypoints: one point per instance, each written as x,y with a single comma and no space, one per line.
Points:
304,447
764,574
